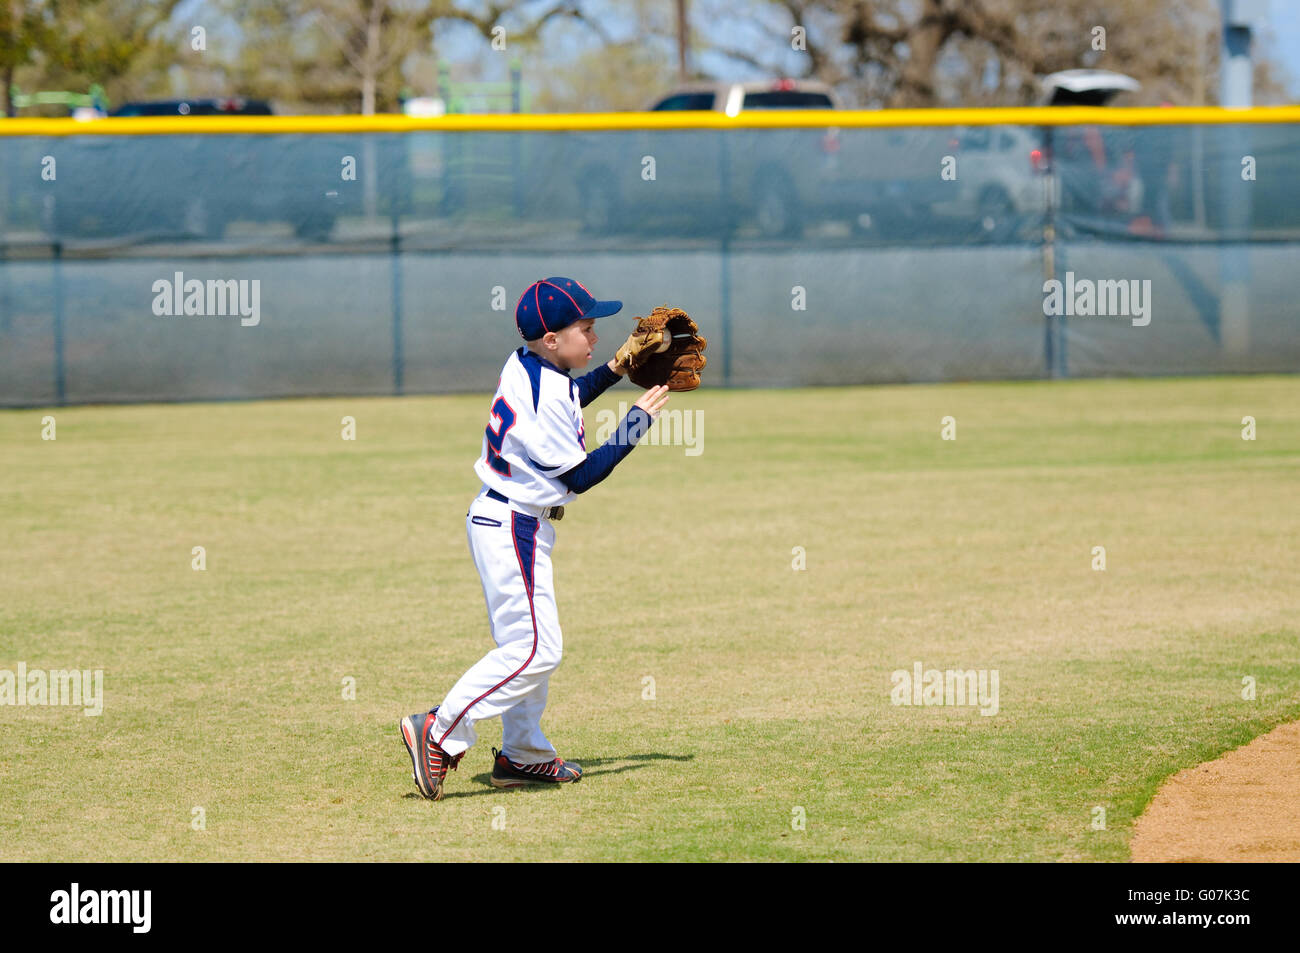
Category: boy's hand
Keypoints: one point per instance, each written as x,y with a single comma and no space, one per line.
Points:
653,400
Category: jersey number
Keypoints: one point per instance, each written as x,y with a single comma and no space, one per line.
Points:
503,420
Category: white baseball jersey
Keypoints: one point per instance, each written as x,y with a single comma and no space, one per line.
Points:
534,434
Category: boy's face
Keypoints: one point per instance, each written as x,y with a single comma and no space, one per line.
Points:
573,345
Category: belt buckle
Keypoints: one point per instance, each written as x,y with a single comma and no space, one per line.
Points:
555,513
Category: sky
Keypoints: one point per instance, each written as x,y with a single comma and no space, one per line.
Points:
1284,23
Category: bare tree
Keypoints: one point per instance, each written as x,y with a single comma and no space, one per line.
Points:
990,52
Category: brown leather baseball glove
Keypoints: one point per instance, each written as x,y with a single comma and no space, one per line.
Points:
682,359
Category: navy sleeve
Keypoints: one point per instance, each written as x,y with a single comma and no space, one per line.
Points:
600,463
592,385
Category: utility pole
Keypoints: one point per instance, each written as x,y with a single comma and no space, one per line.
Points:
1236,74
1236,77
683,41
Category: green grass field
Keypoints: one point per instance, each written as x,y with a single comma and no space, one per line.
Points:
328,560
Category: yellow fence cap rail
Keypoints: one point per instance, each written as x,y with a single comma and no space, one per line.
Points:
594,122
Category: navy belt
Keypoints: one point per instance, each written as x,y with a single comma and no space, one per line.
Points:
550,513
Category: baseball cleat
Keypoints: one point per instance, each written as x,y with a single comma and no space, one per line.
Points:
429,763
512,774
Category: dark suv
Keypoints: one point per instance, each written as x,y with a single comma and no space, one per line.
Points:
152,187
194,107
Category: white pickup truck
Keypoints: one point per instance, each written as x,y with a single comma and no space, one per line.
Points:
775,179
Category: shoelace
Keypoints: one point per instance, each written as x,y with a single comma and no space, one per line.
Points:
452,763
548,768
437,757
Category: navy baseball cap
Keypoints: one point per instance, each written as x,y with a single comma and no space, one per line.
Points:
554,303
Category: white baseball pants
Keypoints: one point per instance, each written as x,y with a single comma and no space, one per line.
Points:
512,552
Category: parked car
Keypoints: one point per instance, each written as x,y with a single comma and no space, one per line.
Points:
1084,87
1004,173
231,106
190,186
734,98
999,183
1094,168
795,177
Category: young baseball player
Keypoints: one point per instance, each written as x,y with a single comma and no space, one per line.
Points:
533,461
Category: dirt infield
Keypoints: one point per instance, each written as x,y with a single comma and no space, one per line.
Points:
1245,806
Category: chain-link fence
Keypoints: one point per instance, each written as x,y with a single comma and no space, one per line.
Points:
212,265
